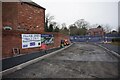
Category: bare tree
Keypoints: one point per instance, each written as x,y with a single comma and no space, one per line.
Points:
48,19
82,23
73,29
82,26
107,28
63,25
64,29
94,25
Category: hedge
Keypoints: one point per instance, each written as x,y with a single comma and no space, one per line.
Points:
116,40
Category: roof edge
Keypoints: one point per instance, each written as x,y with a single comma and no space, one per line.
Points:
32,3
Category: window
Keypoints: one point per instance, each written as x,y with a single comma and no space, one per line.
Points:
7,28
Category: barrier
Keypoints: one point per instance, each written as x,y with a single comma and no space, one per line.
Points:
86,38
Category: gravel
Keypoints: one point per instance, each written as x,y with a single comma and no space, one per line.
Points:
81,60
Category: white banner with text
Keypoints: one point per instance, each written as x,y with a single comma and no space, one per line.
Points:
31,40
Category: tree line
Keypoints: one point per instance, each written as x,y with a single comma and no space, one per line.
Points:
79,27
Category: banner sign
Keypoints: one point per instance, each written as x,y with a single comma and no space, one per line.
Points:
47,38
31,40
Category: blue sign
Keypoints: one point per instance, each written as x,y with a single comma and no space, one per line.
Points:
47,38
32,44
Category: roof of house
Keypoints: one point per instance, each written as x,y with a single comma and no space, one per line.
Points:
95,29
31,3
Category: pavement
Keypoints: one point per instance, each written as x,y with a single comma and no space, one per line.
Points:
81,60
17,60
26,60
114,48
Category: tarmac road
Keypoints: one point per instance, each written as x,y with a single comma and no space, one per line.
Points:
114,48
81,60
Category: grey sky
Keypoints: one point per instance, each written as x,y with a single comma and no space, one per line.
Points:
94,11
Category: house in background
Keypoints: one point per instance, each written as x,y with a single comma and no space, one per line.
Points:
99,31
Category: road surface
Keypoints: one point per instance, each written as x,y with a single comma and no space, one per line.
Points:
81,60
114,48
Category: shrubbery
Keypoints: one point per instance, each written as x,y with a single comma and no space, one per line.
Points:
116,40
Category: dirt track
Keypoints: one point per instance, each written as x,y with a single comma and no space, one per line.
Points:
81,60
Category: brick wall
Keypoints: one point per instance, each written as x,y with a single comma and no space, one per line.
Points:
23,16
96,31
9,14
12,39
30,17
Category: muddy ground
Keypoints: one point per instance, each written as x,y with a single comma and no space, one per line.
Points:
81,60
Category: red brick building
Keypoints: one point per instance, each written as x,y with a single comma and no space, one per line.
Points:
23,16
96,32
20,18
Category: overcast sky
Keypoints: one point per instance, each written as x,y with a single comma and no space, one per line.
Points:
93,11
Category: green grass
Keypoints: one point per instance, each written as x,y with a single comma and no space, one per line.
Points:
115,43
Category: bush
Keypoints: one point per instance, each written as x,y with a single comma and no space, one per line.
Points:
116,40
